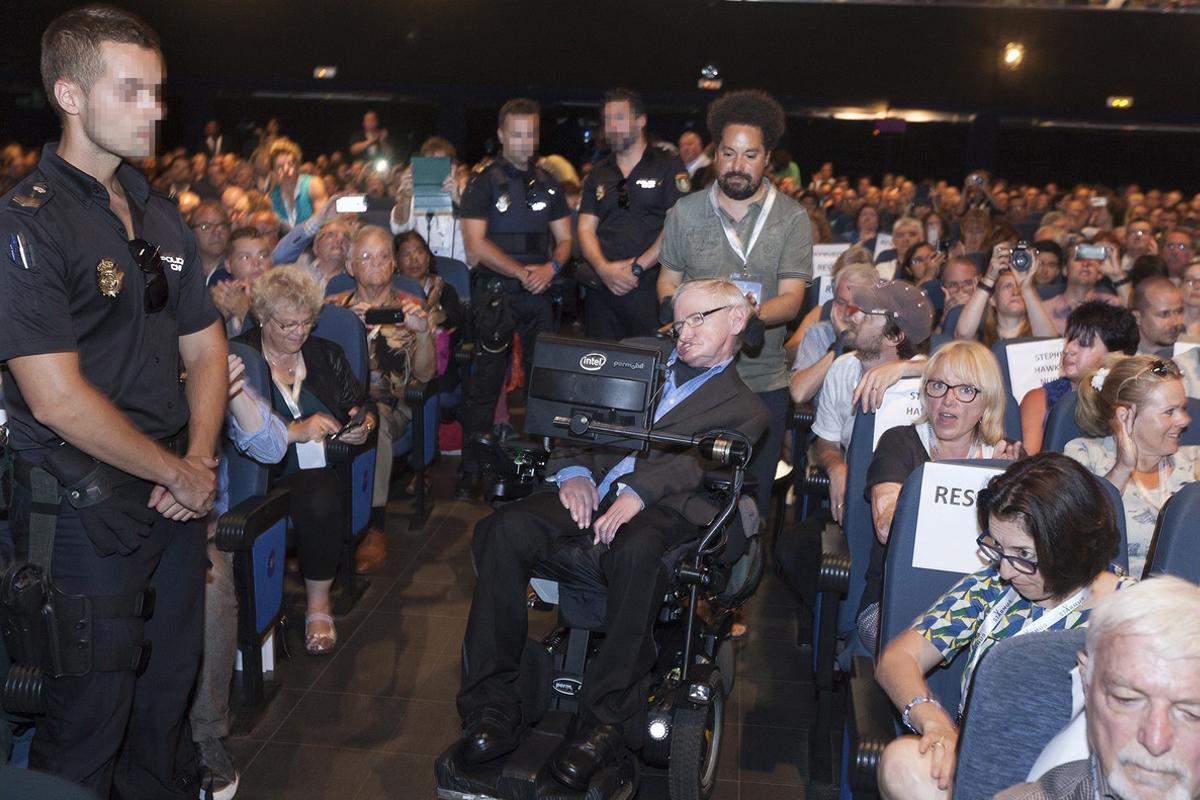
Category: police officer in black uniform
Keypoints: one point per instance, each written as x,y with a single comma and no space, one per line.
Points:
102,308
625,200
517,230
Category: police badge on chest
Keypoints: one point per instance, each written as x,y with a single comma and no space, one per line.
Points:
109,277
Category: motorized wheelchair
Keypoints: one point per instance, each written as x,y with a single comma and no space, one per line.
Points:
682,725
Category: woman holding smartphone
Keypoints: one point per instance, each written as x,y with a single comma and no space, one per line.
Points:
314,389
401,345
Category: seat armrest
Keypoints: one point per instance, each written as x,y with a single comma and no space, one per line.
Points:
339,452
238,527
803,415
834,572
417,393
816,480
871,718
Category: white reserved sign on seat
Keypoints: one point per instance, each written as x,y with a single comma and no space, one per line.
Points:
901,406
946,523
1033,364
1184,344
824,257
883,241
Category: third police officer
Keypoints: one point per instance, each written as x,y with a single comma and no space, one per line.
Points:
517,231
625,200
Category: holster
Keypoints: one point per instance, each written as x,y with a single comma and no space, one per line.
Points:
51,630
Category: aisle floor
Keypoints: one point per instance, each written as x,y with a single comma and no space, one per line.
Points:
367,721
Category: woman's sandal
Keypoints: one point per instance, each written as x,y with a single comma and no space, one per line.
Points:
318,644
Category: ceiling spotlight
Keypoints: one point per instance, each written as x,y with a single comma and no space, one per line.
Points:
1014,54
1119,101
324,72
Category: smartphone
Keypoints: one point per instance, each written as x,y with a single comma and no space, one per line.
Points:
385,316
1091,252
1099,202
944,246
356,421
351,204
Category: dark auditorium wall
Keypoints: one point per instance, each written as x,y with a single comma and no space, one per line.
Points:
461,57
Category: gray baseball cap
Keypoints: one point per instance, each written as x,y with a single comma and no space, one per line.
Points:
907,305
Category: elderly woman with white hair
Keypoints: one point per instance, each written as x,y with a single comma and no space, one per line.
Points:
312,386
398,352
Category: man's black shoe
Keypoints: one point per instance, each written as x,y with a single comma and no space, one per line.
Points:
490,732
468,486
592,750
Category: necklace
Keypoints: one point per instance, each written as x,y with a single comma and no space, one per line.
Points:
291,371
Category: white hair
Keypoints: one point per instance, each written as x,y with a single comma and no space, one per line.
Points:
1165,609
718,288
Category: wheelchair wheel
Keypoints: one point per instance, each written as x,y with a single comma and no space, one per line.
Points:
695,749
727,663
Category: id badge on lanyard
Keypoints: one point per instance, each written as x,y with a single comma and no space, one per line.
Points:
748,281
309,455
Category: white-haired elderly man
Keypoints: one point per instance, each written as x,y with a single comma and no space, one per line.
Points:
630,509
1141,679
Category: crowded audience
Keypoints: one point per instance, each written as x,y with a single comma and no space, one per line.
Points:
929,280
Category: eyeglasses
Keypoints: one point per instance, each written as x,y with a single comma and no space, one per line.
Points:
623,193
150,263
994,554
299,325
964,392
205,227
1189,282
694,320
1178,246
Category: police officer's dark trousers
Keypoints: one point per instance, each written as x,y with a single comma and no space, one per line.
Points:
532,314
615,317
507,546
118,732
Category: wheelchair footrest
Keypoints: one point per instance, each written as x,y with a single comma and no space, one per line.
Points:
525,773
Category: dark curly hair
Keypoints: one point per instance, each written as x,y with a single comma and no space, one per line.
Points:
752,107
1063,509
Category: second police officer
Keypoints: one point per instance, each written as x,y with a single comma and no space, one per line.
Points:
517,232
625,200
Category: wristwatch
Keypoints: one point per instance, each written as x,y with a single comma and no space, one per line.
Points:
557,267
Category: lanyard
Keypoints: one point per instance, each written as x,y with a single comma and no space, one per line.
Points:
735,242
992,620
291,397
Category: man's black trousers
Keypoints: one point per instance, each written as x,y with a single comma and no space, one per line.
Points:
118,732
506,547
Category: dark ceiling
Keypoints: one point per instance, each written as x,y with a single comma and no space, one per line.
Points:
812,54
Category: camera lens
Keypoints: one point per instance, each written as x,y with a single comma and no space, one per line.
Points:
1021,260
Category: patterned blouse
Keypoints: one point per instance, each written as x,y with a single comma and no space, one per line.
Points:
1141,506
391,349
952,623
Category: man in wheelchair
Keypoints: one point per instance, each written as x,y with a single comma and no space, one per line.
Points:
628,510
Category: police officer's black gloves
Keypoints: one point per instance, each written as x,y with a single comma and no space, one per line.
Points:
120,523
754,334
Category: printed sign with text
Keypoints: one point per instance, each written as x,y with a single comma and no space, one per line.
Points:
824,257
946,523
1032,364
901,406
